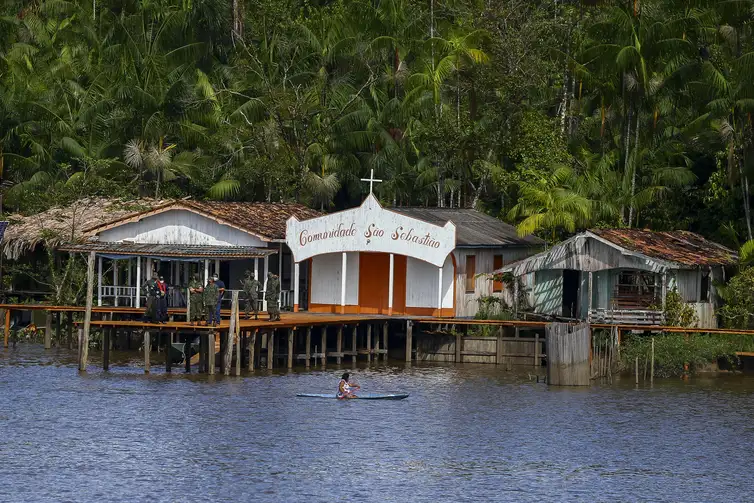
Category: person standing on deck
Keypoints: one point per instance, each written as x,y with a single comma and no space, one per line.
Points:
221,293
162,301
211,293
196,304
150,291
251,288
271,296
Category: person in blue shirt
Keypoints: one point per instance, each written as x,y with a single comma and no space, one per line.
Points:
221,288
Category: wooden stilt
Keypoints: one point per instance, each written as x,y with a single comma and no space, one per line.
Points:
291,333
369,343
238,347
499,347
187,353
57,329
168,357
147,351
211,353
384,341
252,349
353,343
308,346
459,347
80,347
69,317
409,340
88,313
270,348
228,355
202,352
7,327
48,330
536,350
338,345
324,347
106,334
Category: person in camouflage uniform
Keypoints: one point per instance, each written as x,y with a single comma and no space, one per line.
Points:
251,288
151,290
196,304
211,295
271,296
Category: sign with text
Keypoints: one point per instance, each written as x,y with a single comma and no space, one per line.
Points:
370,228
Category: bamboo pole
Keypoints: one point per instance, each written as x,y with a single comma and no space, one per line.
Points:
238,342
652,368
636,370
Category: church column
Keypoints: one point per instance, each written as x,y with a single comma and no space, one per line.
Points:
128,281
391,285
138,282
439,291
295,286
99,281
217,267
343,284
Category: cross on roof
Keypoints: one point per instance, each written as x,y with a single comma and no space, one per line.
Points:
371,180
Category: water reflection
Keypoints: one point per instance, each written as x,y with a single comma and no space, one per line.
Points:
466,433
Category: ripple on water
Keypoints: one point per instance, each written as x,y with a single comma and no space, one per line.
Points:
466,433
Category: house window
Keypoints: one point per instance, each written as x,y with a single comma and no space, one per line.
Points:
497,263
470,273
704,288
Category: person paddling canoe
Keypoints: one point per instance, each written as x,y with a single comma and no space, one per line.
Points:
346,388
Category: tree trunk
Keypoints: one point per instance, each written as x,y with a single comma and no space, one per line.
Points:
627,140
745,196
634,170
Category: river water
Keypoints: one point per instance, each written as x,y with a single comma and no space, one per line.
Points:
467,433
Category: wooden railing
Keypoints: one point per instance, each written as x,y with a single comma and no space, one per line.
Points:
626,317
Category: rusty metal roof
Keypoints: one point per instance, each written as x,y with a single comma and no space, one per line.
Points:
682,247
266,220
169,251
473,228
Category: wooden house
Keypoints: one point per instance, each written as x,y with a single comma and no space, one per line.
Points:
623,275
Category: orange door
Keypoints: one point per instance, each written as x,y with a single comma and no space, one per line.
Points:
374,273
399,284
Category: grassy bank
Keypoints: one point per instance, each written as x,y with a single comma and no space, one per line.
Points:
673,351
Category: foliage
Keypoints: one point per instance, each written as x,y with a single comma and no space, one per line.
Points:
678,313
673,351
738,295
493,308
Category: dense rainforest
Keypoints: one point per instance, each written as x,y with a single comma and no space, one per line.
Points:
555,115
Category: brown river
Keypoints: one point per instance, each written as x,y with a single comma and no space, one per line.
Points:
467,432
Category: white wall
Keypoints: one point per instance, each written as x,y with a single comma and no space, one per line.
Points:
326,279
422,280
180,227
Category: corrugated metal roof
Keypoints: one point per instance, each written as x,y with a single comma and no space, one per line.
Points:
682,247
473,228
168,251
266,220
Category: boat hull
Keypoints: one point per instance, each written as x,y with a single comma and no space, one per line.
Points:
359,396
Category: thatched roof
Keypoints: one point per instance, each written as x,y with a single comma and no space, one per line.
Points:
67,225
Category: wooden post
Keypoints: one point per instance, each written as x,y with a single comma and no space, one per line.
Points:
69,316
652,367
88,313
252,349
7,327
568,354
211,340
636,370
270,348
308,346
409,340
459,347
291,332
353,343
168,352
536,350
499,346
238,343
48,330
384,340
187,353
57,329
324,346
369,343
338,344
106,334
147,350
81,348
228,356
376,351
